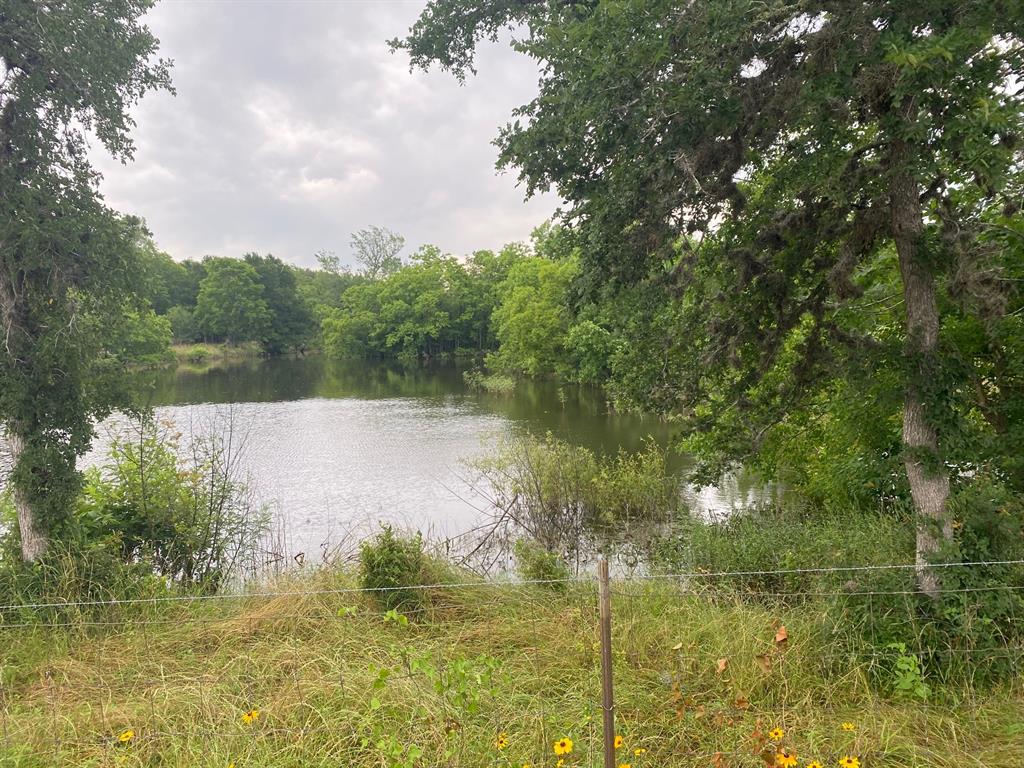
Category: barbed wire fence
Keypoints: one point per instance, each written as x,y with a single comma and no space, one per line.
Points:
96,703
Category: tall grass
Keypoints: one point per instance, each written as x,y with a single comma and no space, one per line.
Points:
336,680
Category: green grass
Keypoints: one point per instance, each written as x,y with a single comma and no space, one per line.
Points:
476,662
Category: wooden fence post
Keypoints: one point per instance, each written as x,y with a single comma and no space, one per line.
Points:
607,700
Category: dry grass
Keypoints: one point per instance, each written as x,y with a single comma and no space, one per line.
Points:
478,662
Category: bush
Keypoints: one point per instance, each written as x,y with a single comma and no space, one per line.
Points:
395,566
185,512
535,563
495,383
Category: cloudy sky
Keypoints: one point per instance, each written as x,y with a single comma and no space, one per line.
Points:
294,125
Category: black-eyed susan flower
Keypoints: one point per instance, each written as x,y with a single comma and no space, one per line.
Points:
560,763
785,759
126,736
625,765
639,751
527,765
502,741
848,727
849,761
251,716
776,734
618,741
815,764
563,746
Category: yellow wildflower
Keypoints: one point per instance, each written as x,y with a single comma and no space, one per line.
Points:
618,741
785,759
125,736
251,716
502,741
639,751
563,746
625,765
848,727
776,734
560,763
815,764
527,765
849,761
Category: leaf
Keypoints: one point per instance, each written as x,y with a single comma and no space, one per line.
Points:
742,702
764,661
721,665
717,761
782,635
677,647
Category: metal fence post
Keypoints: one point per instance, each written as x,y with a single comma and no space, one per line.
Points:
607,700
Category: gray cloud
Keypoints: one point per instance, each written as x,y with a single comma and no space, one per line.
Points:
294,125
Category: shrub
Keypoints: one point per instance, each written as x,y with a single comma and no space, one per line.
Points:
535,563
395,566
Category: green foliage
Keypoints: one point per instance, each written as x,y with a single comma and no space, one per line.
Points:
231,305
67,262
186,514
291,322
184,326
532,319
394,566
496,383
823,204
433,307
534,563
561,495
377,249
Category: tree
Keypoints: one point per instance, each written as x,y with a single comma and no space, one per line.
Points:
231,306
532,319
66,260
291,322
377,249
777,164
329,261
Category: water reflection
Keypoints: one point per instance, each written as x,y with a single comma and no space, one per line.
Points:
335,447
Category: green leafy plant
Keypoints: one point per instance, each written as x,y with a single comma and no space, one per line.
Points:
393,567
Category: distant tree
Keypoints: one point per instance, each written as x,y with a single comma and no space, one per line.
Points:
291,321
329,262
377,249
184,327
67,262
231,306
533,318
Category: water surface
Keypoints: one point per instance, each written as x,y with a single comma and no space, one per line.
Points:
336,446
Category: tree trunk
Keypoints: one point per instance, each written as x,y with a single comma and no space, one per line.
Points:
33,540
929,481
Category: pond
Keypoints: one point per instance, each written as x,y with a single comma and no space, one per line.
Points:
337,446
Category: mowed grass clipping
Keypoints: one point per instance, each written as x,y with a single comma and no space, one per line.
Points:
485,675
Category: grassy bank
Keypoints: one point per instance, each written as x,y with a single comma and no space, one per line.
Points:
213,354
337,681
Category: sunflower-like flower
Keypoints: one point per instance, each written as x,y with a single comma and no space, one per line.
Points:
849,761
251,716
563,746
639,751
815,764
125,737
776,734
502,741
785,759
849,727
618,741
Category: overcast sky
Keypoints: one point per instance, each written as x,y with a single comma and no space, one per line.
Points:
294,125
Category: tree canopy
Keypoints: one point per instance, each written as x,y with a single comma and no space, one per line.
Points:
785,170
